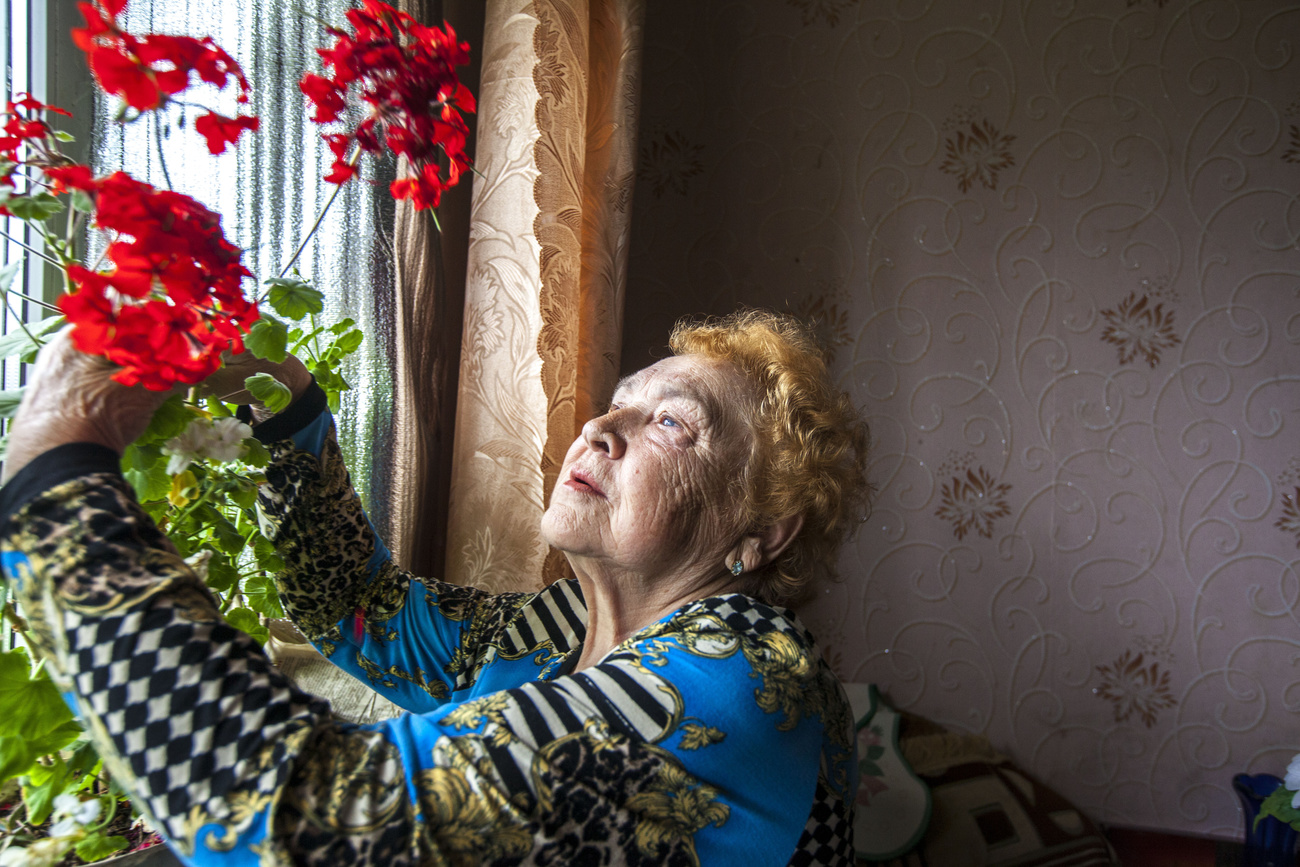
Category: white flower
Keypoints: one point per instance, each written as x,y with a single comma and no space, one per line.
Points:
1292,780
187,447
220,440
227,439
64,828
46,852
83,812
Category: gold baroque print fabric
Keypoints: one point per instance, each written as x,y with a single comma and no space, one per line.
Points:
703,736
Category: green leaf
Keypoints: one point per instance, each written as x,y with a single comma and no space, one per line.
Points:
255,455
329,379
83,756
340,327
229,538
272,393
268,339
145,468
294,298
1278,805
44,785
9,273
64,136
33,707
142,457
17,341
222,575
97,847
262,596
34,208
168,420
55,739
16,757
247,621
82,202
206,515
267,557
9,401
244,492
350,342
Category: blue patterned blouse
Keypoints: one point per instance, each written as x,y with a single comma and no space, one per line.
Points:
715,736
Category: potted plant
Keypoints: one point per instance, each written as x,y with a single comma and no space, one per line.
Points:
164,301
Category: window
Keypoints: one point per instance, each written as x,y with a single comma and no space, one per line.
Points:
39,58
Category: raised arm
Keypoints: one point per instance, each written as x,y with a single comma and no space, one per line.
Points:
417,641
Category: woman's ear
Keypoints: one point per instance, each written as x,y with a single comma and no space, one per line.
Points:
758,549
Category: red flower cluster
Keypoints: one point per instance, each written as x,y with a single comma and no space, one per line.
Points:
146,71
24,126
171,303
405,73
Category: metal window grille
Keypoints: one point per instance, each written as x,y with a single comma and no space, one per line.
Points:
24,69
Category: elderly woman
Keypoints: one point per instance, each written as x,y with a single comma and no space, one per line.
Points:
656,710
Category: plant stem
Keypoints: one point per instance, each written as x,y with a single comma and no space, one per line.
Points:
352,161
20,626
33,250
162,160
35,301
20,322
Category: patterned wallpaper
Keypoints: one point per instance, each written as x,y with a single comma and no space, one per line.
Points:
1053,246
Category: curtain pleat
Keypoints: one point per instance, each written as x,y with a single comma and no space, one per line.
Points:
430,275
546,270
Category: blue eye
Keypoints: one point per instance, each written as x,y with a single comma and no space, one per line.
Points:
668,421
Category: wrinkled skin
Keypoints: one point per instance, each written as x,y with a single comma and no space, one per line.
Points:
71,398
645,506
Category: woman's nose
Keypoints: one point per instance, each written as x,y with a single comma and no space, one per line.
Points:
601,434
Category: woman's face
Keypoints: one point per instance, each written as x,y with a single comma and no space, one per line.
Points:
647,486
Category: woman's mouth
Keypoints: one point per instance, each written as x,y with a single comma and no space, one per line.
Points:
580,481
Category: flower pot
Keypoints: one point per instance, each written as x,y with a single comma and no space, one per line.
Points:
1270,843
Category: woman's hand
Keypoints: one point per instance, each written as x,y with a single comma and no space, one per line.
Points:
71,398
228,383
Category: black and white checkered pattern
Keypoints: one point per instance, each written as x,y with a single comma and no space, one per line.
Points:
748,616
827,839
193,725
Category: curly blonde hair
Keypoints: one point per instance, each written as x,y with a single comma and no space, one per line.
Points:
810,445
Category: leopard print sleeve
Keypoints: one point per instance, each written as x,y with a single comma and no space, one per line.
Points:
415,641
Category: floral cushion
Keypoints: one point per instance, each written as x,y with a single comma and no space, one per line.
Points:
893,804
988,812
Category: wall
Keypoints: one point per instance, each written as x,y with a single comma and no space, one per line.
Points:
1053,246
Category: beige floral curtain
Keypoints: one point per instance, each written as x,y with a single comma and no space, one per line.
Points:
547,256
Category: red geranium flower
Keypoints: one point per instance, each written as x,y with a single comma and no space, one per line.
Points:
405,73
171,301
73,177
221,131
146,71
24,125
